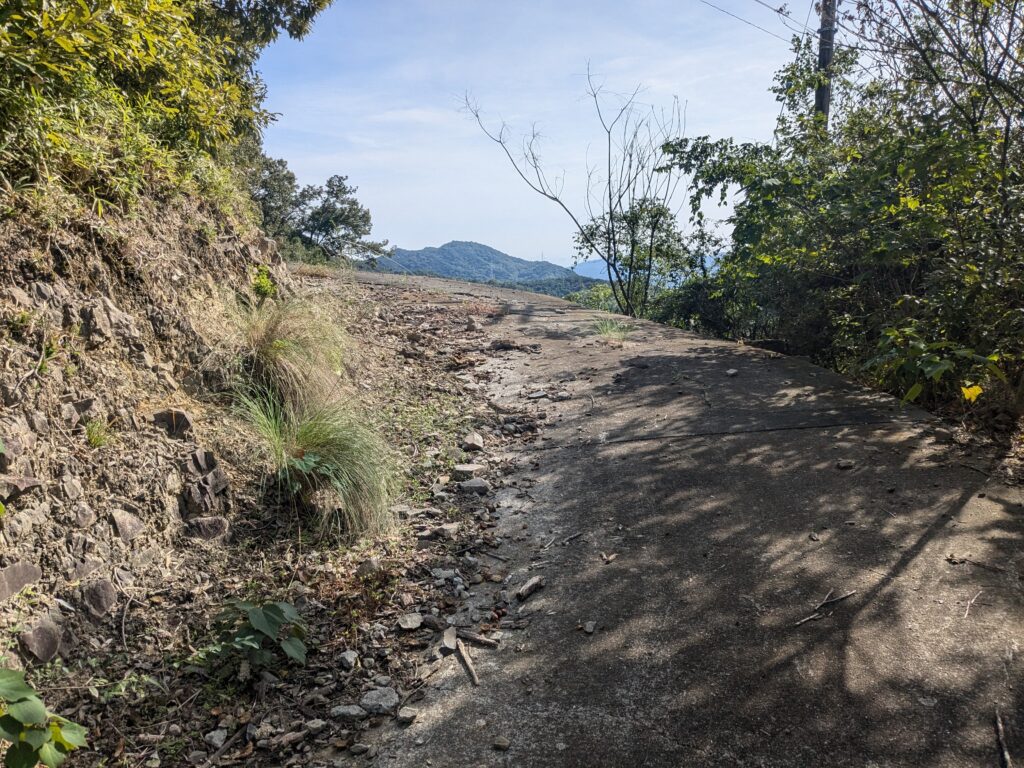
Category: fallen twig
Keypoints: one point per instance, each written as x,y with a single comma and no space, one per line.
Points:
467,661
475,637
816,614
491,554
953,560
567,539
1004,752
971,602
826,601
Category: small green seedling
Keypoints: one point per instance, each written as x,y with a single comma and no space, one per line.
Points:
34,734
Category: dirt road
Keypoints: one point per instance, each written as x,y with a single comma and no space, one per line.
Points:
694,503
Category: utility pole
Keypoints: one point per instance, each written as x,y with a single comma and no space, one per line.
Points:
826,47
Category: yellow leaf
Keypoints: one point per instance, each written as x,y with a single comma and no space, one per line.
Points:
971,393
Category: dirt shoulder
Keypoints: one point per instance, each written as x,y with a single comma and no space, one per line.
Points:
746,560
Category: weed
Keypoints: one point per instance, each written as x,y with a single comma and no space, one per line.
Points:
97,433
257,632
612,330
263,284
325,452
21,324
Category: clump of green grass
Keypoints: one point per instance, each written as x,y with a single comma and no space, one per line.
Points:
328,457
97,433
612,330
292,346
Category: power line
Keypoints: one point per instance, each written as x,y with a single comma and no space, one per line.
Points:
748,23
784,16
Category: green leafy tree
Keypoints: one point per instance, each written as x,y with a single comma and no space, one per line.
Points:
889,246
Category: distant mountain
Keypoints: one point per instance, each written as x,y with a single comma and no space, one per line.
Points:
462,260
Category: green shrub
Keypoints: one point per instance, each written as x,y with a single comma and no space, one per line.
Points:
263,284
34,734
324,452
99,99
257,632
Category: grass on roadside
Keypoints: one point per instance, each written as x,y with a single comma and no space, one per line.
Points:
327,457
613,330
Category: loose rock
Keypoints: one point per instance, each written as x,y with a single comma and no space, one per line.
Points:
380,701
348,660
406,716
410,621
473,442
476,485
42,641
349,712
100,597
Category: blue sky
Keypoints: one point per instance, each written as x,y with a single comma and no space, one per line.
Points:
375,91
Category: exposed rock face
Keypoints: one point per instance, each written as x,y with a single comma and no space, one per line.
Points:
208,528
177,422
207,492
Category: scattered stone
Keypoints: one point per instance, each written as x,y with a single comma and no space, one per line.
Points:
208,528
128,525
178,423
410,621
502,744
216,738
13,487
473,442
430,621
561,396
467,471
71,488
99,597
349,660
814,537
316,725
846,464
476,485
359,748
537,395
446,531
42,641
589,627
349,712
69,415
406,716
84,516
16,577
449,640
380,701
531,586
368,568
732,372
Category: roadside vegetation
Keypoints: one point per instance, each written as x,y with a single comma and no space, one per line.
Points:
884,241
